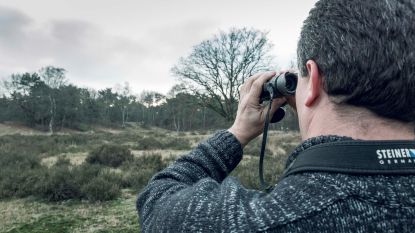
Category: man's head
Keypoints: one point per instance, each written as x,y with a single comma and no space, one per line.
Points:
364,52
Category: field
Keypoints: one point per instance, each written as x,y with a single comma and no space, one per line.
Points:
88,182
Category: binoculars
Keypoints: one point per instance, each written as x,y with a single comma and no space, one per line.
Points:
279,86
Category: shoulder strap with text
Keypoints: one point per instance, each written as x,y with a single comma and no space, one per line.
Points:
357,157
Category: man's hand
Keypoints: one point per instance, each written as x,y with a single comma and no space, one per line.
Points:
250,118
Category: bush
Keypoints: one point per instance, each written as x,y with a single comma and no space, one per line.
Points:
139,172
152,161
177,144
19,182
19,172
137,180
110,155
100,189
60,184
91,182
11,159
151,143
42,144
99,183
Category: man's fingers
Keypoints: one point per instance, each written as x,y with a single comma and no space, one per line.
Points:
247,85
256,88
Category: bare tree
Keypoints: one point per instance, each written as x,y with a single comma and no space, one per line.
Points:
54,78
217,67
124,100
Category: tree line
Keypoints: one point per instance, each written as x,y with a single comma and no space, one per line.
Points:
45,100
206,98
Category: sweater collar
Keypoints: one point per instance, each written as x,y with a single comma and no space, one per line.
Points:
312,142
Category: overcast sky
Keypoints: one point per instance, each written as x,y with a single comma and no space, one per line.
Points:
104,42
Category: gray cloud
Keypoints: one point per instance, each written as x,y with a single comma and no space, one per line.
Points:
91,57
176,38
12,24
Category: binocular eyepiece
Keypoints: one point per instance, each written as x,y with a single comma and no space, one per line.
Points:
281,85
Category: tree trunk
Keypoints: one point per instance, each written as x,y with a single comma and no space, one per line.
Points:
52,113
63,121
204,117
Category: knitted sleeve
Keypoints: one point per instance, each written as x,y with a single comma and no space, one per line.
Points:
192,195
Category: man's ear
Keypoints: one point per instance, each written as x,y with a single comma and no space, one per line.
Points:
314,83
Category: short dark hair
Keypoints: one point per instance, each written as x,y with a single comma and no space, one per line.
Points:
365,51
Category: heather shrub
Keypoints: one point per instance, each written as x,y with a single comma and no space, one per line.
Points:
19,172
100,189
177,144
151,143
59,184
19,182
110,155
138,172
92,182
86,172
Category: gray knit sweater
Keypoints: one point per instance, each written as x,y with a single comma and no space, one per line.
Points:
195,194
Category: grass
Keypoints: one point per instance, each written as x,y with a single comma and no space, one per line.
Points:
38,155
29,215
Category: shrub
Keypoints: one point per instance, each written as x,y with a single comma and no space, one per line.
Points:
11,159
177,144
100,189
19,172
42,144
60,184
110,155
86,172
92,182
19,182
137,179
151,161
151,143
140,170
82,127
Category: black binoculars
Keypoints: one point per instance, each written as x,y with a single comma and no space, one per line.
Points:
281,85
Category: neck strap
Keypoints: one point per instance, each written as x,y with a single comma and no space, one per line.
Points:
357,157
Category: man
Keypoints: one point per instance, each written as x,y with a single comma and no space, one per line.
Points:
357,66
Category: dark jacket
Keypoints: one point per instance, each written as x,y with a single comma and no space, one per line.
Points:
195,194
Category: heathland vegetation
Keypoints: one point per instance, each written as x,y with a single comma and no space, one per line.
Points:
88,181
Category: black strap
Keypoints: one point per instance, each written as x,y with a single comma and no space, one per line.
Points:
277,116
264,185
357,157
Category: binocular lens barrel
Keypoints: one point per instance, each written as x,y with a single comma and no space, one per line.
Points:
281,85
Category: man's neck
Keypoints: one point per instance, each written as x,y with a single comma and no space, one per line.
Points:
358,123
